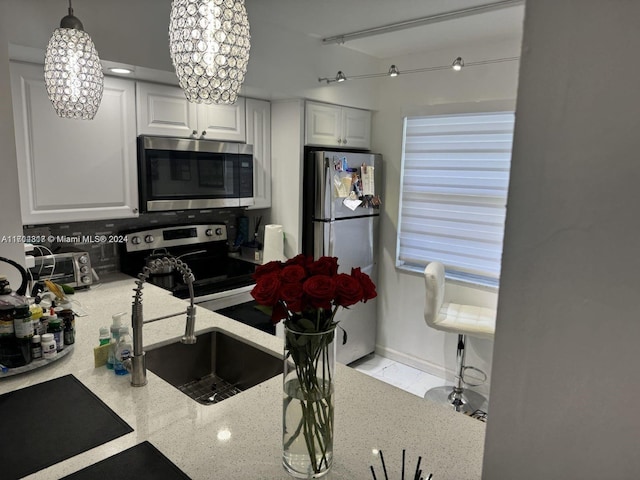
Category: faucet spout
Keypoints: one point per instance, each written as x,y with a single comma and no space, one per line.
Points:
136,364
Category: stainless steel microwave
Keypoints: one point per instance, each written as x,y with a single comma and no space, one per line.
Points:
183,174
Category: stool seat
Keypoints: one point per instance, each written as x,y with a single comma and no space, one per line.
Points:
466,319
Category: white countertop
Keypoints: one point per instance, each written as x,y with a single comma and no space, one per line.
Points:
369,414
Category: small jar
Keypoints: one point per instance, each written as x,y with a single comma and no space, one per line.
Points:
36,347
55,328
22,323
48,346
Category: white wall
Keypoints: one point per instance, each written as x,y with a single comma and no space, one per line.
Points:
10,223
565,377
402,333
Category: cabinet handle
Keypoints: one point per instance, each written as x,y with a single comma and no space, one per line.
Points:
339,141
204,132
194,133
134,210
344,141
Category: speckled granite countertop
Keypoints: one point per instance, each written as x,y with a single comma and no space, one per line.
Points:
369,414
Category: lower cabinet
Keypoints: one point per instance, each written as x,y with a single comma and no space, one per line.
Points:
74,170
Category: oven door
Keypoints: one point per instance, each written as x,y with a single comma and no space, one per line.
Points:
181,174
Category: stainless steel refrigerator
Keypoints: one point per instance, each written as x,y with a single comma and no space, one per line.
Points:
341,205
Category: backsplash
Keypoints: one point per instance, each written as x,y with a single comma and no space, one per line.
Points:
105,257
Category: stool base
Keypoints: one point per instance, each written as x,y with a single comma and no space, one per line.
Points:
466,401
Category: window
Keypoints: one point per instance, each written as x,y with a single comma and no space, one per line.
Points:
455,176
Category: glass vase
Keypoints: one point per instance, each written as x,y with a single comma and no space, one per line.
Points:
308,403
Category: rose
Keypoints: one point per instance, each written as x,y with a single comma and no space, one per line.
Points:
321,290
266,269
292,274
348,290
368,288
299,259
291,294
324,266
267,289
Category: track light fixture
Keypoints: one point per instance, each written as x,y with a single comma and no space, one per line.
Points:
457,65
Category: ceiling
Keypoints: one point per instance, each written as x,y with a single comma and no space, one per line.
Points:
324,18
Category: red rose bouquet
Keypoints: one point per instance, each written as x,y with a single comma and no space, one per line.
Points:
307,294
302,288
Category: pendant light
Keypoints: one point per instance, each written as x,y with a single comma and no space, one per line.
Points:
72,71
209,43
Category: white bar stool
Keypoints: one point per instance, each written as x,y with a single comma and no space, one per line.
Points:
463,320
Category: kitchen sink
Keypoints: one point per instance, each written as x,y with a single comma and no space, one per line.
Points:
213,369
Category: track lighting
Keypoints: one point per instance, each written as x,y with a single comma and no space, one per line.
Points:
457,65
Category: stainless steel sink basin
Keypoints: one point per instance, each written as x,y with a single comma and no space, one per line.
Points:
213,369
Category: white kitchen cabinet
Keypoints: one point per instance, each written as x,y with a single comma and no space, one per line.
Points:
164,110
73,170
336,126
259,135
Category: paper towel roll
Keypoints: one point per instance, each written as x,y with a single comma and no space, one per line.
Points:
273,244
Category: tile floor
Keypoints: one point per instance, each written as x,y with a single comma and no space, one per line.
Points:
402,376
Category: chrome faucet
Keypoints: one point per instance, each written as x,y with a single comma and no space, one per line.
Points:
136,364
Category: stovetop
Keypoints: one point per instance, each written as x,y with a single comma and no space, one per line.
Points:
203,247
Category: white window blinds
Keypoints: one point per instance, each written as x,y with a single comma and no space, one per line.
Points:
455,177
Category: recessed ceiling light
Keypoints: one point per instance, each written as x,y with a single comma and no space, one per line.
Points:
120,70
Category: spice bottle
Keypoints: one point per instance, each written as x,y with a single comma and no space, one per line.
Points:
48,345
68,324
36,347
36,316
22,324
55,328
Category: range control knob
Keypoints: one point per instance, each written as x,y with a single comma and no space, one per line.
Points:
84,269
85,279
218,231
149,238
83,259
135,240
208,232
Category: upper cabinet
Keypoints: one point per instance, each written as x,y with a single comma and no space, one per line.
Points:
164,110
73,170
259,135
336,126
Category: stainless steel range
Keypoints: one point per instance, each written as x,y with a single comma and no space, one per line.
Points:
221,280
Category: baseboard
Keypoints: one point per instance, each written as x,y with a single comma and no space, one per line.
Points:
415,362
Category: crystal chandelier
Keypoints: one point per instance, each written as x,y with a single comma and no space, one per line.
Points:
209,46
72,71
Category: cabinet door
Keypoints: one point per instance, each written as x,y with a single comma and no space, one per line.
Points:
356,128
259,135
71,170
222,122
164,110
323,124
